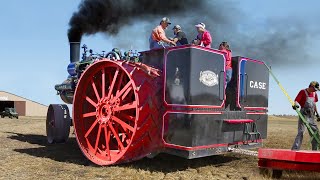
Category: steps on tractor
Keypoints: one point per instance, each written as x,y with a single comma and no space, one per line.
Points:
251,133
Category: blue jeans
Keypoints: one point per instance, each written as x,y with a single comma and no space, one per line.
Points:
155,44
228,75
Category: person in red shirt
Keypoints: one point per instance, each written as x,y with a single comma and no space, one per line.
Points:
307,99
204,37
224,47
158,38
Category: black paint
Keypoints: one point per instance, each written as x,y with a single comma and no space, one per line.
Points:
183,87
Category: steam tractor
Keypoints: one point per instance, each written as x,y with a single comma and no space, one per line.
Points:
173,100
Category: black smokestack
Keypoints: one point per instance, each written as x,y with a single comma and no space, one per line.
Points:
74,51
110,15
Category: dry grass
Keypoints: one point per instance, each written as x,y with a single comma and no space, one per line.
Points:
24,154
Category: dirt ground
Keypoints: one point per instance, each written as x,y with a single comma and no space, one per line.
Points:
25,154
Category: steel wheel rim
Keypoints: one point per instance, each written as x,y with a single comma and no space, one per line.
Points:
105,120
50,125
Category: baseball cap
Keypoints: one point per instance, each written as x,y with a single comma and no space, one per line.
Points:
176,27
201,25
165,19
315,84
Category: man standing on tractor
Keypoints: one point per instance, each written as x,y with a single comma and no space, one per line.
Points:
203,38
180,37
307,99
158,37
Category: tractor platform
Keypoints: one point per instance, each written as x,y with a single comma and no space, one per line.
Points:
278,160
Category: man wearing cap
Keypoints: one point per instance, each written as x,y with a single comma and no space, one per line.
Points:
307,99
203,38
180,37
158,37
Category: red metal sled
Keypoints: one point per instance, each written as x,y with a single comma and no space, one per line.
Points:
285,159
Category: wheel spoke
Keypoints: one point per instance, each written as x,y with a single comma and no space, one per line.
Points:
97,140
91,128
107,137
113,82
120,82
90,114
124,132
129,136
122,91
126,93
95,90
116,136
131,118
126,106
91,101
103,86
123,124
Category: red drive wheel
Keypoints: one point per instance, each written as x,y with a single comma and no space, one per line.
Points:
117,112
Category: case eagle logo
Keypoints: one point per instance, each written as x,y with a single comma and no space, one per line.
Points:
209,78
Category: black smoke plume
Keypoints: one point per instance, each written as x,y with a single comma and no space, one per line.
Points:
128,23
110,15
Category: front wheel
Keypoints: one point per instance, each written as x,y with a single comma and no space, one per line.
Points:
58,123
117,112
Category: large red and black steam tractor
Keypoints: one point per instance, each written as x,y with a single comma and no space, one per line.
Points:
173,100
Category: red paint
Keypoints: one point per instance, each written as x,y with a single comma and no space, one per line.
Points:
288,165
258,113
253,60
287,159
238,121
112,115
255,108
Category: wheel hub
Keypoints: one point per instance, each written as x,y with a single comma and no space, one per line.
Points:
104,111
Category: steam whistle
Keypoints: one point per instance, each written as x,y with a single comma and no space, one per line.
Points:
84,55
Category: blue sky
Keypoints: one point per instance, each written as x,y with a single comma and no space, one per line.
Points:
34,50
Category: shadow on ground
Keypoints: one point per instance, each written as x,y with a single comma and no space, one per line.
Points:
168,163
70,153
64,152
